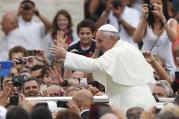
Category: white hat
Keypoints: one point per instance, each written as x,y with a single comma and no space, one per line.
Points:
107,27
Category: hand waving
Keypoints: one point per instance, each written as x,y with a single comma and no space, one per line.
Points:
55,76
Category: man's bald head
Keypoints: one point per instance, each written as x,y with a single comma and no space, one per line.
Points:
9,22
83,98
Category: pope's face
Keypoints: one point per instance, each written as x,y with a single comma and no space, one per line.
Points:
103,42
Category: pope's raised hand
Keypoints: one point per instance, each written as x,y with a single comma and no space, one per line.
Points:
58,51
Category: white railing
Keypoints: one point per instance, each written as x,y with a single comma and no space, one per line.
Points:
96,99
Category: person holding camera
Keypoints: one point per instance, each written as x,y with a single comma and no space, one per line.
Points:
157,31
124,18
33,31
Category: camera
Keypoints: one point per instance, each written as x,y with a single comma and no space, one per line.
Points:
45,104
116,4
31,52
19,80
14,99
21,61
150,7
62,104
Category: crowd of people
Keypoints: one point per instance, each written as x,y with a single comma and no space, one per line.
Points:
127,50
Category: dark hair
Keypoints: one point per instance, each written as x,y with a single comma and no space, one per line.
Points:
150,18
32,79
15,112
28,1
17,49
86,23
99,109
37,67
55,21
41,112
97,85
67,114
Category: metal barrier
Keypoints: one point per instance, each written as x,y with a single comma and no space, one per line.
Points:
102,99
61,101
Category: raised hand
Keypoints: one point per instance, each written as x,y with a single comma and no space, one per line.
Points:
108,6
58,51
145,10
55,76
40,56
5,94
158,10
61,39
149,57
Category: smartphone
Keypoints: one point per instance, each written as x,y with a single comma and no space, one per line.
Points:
177,75
14,100
83,81
62,104
5,67
31,52
41,104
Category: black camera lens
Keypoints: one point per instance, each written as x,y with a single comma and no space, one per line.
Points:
21,61
150,7
15,81
19,80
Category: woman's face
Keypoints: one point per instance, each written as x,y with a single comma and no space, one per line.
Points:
62,22
158,2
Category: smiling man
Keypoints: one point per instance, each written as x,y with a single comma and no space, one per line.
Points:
122,69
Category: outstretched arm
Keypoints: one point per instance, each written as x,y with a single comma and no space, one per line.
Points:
141,29
157,66
104,17
127,26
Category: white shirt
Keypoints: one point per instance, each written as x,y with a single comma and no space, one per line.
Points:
162,48
4,49
33,32
3,112
131,16
10,40
123,71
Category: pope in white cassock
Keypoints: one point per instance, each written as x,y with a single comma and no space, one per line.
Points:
122,69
